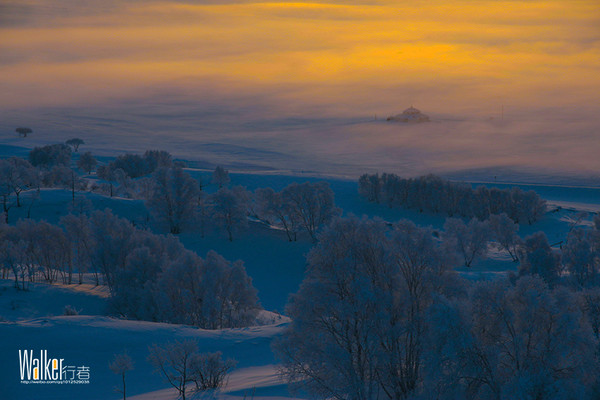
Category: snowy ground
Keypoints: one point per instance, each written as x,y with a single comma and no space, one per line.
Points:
34,320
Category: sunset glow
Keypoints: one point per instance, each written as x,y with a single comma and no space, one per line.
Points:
461,59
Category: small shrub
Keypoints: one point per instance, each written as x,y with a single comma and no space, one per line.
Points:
70,310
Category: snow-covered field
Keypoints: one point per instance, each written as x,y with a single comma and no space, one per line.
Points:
34,319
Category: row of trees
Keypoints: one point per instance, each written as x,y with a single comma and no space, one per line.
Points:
135,166
305,206
381,315
150,277
175,200
18,176
173,197
432,194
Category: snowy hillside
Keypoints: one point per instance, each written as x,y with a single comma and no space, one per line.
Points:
34,319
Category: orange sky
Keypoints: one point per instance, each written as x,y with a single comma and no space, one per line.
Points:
497,51
334,59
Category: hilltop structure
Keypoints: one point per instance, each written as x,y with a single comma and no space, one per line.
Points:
411,114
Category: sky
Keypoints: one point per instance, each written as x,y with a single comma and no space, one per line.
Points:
308,85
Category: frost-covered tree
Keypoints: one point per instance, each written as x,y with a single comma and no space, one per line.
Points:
75,143
230,209
112,244
220,177
77,228
121,364
7,202
271,208
424,272
161,281
538,258
87,162
581,256
135,292
432,194
18,175
358,327
133,165
14,257
158,159
470,240
522,341
504,232
311,204
589,299
331,345
174,198
46,249
229,299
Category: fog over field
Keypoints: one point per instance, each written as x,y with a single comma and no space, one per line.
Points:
307,86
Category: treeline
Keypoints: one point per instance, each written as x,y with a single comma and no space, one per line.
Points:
175,200
150,277
381,314
433,194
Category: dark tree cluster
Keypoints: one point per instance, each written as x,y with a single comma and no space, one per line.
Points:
49,156
436,195
135,165
23,131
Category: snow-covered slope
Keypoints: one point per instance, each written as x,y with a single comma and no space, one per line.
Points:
33,320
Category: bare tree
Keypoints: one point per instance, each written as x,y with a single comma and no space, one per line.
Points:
270,206
120,365
210,370
504,231
174,361
18,175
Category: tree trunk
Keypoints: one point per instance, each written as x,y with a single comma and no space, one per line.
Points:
124,395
